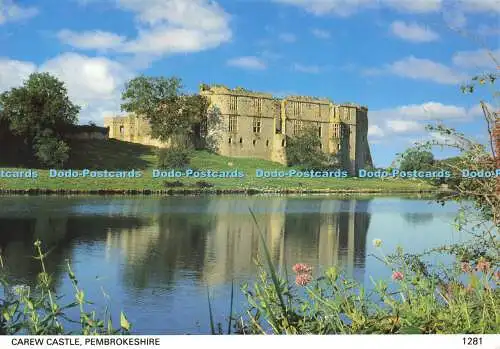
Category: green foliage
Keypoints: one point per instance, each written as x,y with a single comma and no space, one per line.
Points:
161,101
304,150
37,312
173,158
416,159
415,300
50,150
41,103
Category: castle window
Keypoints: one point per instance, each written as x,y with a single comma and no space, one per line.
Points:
283,143
233,123
319,130
297,108
230,140
257,103
336,131
297,126
320,146
241,140
338,146
267,143
122,130
257,123
233,103
254,141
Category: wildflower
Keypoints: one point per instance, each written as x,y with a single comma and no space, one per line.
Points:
302,279
483,265
230,164
302,268
465,267
496,275
397,275
377,242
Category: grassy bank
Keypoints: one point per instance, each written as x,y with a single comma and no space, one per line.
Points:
115,155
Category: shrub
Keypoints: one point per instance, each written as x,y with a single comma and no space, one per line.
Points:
175,184
204,184
304,150
177,158
50,150
416,159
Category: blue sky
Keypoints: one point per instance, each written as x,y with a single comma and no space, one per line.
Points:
404,59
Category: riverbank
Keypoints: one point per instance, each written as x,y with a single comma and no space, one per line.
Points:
146,185
119,156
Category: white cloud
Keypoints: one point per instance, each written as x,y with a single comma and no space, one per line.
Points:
248,62
412,119
11,12
425,69
476,59
348,7
321,34
165,27
94,83
310,69
375,131
425,111
13,73
480,5
414,6
404,126
89,40
287,37
413,32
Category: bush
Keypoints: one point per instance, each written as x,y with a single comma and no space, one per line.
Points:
175,184
50,150
204,184
173,158
305,150
416,159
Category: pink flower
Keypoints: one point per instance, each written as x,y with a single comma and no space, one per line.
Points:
466,268
397,275
496,274
300,268
483,265
303,279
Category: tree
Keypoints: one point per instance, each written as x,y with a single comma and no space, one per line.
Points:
50,150
416,159
173,115
41,103
304,149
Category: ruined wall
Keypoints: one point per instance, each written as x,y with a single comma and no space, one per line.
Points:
131,129
254,124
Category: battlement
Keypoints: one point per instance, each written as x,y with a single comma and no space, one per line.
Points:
238,91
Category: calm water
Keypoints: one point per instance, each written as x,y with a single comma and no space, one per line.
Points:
155,257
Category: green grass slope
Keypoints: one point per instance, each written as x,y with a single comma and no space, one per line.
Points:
113,155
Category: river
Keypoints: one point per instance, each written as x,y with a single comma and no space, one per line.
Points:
153,257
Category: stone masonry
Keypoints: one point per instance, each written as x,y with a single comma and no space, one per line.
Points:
256,124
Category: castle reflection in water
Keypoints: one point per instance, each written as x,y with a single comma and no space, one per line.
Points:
213,238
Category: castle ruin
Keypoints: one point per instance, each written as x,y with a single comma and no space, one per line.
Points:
255,124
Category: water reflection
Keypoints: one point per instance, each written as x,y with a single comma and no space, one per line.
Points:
213,239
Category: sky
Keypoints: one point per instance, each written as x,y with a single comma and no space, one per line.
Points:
404,59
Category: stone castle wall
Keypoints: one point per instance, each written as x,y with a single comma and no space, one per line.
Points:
255,124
